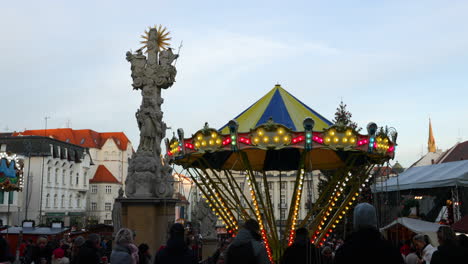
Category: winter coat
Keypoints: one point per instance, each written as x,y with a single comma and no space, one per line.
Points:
367,246
176,251
121,255
88,254
449,254
427,252
38,253
259,251
301,252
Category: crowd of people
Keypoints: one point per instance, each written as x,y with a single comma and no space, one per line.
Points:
364,245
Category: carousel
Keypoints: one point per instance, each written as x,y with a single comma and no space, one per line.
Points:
280,133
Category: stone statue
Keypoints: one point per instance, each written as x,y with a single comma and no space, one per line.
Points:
147,175
117,212
205,220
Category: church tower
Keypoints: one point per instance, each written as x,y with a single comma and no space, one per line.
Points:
431,146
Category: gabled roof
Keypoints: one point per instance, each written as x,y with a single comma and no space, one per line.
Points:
283,108
456,153
83,137
103,175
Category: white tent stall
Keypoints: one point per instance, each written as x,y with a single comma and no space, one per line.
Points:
417,226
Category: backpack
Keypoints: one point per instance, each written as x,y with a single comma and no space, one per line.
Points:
241,253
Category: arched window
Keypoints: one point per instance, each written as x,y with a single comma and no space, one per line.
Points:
55,200
47,200
62,202
114,154
71,177
70,201
77,178
49,170
64,172
56,175
78,201
106,155
85,178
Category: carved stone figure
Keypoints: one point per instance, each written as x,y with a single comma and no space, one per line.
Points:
147,176
116,212
206,220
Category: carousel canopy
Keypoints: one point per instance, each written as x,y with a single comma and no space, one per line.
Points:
282,107
432,176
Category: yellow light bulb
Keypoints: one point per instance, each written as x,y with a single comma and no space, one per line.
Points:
199,137
211,142
256,140
260,132
203,143
349,133
266,139
336,139
276,139
352,140
345,140
281,131
327,139
332,132
286,139
197,144
214,135
218,141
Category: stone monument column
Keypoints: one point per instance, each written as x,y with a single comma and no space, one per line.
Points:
149,206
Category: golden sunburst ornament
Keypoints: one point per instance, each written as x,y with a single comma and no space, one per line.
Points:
163,37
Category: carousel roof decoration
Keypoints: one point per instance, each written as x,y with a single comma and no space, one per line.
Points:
254,144
11,172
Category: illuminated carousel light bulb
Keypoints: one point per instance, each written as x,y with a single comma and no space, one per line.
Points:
218,141
199,137
214,135
266,139
336,139
211,142
203,143
281,131
345,140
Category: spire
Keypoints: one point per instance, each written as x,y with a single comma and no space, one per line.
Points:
431,146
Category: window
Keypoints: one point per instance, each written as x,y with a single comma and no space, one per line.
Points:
55,201
283,199
70,201
85,179
71,177
93,206
11,197
242,186
93,188
64,172
283,214
108,189
283,185
2,197
47,200
78,201
77,178
49,170
106,155
56,175
62,202
107,206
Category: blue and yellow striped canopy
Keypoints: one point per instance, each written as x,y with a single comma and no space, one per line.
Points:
283,107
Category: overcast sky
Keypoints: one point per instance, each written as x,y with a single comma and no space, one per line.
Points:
396,63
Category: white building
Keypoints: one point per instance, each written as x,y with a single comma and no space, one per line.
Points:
56,176
104,188
112,150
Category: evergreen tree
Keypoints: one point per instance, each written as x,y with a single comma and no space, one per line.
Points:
343,117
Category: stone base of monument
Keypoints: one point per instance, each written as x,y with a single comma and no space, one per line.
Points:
150,218
209,247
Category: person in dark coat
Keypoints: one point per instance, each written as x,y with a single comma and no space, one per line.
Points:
176,250
143,254
301,251
5,255
449,250
89,251
366,244
41,252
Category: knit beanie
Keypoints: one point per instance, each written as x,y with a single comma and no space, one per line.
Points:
364,216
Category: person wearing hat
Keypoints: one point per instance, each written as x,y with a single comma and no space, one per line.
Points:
58,257
366,244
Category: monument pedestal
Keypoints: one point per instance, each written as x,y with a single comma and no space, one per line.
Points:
150,218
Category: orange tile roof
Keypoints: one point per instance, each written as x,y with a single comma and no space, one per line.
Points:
103,175
82,137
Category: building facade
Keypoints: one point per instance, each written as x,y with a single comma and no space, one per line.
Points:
104,188
110,153
56,176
